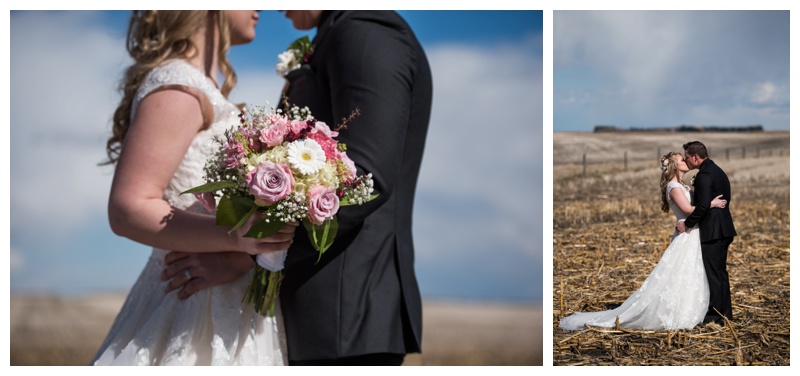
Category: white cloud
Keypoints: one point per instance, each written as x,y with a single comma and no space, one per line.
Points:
17,260
479,189
652,67
64,71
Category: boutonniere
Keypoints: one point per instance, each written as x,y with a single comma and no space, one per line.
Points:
693,180
298,53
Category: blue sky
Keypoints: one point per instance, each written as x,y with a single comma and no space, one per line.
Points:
667,68
473,241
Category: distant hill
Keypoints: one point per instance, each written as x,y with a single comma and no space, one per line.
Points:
683,128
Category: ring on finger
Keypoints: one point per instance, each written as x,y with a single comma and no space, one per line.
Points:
187,273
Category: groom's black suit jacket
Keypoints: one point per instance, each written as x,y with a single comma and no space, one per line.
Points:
362,297
715,223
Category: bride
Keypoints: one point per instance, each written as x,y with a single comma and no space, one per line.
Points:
172,108
675,295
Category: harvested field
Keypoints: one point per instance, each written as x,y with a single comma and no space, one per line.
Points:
52,330
609,232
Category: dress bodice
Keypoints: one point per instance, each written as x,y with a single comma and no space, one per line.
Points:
190,172
679,214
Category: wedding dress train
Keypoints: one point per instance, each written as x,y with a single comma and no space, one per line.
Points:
674,296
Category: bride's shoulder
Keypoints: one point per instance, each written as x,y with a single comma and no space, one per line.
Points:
172,71
674,184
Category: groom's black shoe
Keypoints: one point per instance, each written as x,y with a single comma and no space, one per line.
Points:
715,319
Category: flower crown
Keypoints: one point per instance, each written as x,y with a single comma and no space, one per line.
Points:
664,164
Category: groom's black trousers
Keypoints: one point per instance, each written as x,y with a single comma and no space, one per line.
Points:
715,256
383,359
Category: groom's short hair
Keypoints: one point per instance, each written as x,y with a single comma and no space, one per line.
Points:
696,148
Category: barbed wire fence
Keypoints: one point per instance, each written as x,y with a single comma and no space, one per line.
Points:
602,162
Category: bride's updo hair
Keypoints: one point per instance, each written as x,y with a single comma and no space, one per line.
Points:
669,169
155,36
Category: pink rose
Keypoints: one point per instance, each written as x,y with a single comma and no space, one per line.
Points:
207,200
298,126
273,135
270,182
322,204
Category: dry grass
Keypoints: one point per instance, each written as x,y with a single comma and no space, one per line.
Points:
48,330
608,234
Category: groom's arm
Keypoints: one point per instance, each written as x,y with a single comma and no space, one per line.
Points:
702,199
373,70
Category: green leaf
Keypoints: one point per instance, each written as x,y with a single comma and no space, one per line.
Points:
303,44
321,236
243,220
231,210
263,229
211,187
347,201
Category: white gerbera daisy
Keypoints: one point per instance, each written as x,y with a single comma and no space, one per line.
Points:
306,156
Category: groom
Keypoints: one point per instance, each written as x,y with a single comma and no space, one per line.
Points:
360,305
716,228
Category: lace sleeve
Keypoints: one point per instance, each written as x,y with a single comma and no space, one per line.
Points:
176,73
670,186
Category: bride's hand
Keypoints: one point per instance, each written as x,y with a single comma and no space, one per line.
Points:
192,272
278,242
718,202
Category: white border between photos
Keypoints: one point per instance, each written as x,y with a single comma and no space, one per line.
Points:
548,7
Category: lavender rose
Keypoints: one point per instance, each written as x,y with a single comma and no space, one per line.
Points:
270,182
322,204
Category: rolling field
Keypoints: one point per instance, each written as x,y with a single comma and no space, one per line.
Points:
609,232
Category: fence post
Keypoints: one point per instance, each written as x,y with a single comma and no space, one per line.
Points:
584,164
728,154
758,152
626,161
658,157
743,152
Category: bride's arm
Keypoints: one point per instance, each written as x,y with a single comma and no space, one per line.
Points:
162,130
683,203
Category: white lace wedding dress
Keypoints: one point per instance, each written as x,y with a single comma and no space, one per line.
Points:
674,296
213,326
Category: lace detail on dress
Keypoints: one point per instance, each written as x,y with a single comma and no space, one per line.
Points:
679,214
190,172
213,326
674,295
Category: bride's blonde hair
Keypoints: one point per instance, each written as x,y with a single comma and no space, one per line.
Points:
669,169
155,36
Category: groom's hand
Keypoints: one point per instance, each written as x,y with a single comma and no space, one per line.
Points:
681,227
204,270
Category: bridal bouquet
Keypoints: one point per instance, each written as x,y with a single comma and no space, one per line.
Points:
289,167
